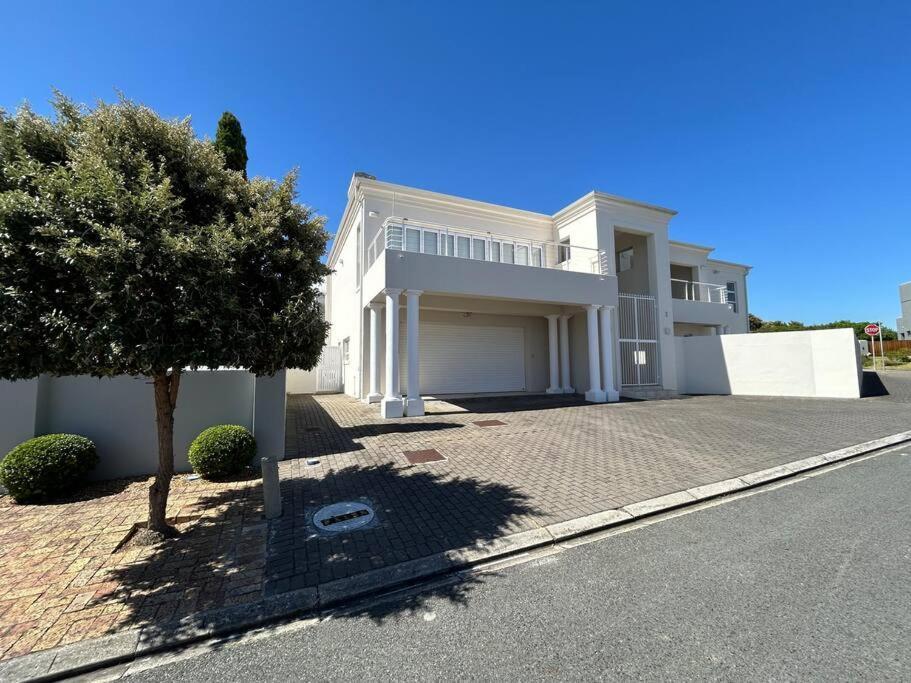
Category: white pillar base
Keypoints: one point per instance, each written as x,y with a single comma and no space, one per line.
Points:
552,390
414,407
612,396
569,390
392,407
595,396
373,398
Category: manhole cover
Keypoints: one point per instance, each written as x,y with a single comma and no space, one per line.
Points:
346,516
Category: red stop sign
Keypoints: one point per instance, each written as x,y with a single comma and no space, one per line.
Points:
872,329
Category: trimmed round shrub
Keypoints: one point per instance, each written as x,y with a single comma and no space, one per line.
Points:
222,451
47,466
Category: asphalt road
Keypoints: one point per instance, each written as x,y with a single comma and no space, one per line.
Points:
806,581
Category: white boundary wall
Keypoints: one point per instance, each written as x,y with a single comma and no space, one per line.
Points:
818,363
302,381
118,414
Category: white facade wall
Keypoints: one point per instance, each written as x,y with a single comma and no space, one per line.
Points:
596,221
343,298
713,272
817,364
718,273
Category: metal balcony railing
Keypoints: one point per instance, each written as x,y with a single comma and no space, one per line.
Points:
401,234
690,290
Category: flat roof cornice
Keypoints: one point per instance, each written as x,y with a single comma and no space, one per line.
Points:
595,199
369,186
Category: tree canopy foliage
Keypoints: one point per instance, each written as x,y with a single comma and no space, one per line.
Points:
230,141
127,247
757,324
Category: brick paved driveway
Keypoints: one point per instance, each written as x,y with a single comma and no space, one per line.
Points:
553,459
63,577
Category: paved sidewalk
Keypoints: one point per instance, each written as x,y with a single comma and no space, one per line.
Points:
553,459
63,580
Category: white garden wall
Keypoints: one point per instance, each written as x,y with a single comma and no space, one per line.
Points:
301,381
118,414
17,413
819,363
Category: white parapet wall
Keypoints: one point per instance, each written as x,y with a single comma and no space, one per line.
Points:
817,364
118,414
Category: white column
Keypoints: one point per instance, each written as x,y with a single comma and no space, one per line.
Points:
552,349
607,353
414,405
566,386
374,396
391,405
594,393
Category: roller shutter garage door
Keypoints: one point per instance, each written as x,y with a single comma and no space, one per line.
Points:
465,359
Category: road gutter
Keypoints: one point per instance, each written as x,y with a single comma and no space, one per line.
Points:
129,645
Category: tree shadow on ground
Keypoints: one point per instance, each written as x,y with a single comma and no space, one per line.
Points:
420,512
235,562
216,560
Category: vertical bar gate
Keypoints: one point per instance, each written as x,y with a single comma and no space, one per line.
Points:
639,363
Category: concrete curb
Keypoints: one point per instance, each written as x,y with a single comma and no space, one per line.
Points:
125,646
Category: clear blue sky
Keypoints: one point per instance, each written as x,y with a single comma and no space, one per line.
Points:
781,131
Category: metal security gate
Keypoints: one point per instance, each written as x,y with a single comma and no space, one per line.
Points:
329,370
639,340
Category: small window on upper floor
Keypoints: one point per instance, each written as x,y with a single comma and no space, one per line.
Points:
563,251
624,259
731,294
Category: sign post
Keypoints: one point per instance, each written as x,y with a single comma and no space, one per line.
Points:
871,330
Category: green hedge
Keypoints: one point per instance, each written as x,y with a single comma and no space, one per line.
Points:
222,451
47,466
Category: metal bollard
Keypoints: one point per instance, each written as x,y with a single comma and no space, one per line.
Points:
272,494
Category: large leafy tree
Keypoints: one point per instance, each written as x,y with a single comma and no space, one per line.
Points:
127,248
230,141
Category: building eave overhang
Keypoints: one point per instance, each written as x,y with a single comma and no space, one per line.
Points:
745,267
595,200
691,247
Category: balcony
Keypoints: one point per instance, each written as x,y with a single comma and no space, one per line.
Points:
456,261
689,290
701,303
401,234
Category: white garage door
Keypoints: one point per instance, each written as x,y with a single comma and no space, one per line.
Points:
464,359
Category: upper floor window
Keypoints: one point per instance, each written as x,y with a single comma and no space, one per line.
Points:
731,293
624,260
563,251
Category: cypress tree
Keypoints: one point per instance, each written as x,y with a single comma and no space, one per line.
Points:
230,141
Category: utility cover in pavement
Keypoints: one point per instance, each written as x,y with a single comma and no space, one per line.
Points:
346,516
420,457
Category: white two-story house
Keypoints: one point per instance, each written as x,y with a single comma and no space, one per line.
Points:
436,295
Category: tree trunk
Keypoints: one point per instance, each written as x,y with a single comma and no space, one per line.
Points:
166,385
